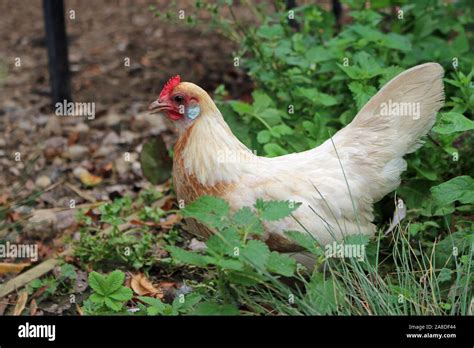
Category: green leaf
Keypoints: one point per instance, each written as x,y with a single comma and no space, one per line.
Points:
114,305
459,189
261,101
271,32
357,239
155,162
274,150
316,97
114,281
275,210
224,242
257,253
318,54
281,264
321,294
444,275
460,43
156,306
188,257
123,294
396,41
270,115
98,283
306,241
325,100
361,93
241,108
452,122
367,32
246,219
235,265
213,308
263,136
97,298
210,210
282,129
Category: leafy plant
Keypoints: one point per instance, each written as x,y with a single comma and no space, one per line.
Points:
109,293
395,279
133,247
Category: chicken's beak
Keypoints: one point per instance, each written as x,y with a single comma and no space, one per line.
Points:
157,106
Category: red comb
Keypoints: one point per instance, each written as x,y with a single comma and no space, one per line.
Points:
170,85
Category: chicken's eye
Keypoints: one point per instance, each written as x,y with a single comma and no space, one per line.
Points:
178,98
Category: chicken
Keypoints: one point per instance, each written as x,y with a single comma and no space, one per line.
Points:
337,182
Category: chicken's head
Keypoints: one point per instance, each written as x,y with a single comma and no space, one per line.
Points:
179,101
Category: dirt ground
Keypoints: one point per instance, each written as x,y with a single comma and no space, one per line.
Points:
46,160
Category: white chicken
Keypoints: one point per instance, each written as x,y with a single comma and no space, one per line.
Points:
337,182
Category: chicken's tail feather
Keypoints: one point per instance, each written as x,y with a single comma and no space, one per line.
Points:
391,125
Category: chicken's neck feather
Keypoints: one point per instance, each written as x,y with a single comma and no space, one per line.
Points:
210,151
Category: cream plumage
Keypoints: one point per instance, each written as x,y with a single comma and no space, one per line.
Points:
337,182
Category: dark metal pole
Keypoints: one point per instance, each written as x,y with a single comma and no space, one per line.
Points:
291,4
337,10
56,41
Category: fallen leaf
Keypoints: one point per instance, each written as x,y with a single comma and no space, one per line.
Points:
143,287
33,307
89,179
166,285
144,223
12,267
13,216
3,199
40,291
21,303
79,310
170,221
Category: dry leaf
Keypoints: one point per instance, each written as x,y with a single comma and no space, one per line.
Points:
170,221
79,310
143,287
3,199
12,267
21,303
13,216
89,179
33,307
166,286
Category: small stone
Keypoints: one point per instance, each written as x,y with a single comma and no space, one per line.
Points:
111,138
127,137
81,128
121,166
42,225
76,151
197,245
79,171
112,119
42,182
